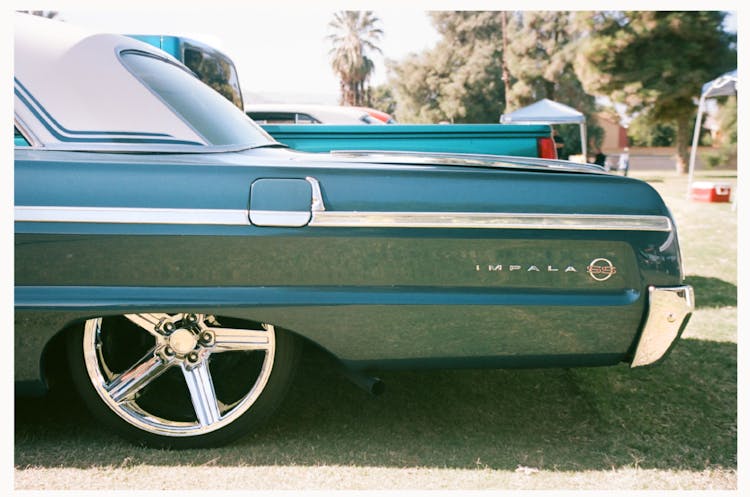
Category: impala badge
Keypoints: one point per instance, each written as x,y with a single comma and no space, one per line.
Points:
493,268
601,269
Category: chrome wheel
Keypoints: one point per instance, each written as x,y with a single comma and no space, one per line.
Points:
178,375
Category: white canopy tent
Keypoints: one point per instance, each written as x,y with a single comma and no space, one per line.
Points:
546,111
724,85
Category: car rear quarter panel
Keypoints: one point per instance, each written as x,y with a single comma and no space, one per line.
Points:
374,297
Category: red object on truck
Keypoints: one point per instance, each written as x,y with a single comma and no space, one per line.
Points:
707,191
546,148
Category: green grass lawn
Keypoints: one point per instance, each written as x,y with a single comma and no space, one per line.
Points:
672,426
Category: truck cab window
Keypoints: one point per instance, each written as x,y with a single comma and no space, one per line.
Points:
216,71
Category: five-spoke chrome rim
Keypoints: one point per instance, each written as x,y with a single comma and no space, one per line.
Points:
185,342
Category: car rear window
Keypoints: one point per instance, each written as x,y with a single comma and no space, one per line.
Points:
206,111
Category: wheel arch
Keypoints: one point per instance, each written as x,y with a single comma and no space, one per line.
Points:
250,387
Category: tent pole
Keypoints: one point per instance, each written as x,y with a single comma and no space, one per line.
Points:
583,141
696,135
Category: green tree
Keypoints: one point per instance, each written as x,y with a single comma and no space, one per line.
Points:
726,142
417,83
643,132
460,79
728,121
353,35
541,55
655,63
381,98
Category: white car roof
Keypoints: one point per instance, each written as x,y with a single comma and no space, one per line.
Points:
70,87
326,114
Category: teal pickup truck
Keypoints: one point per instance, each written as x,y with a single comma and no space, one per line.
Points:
493,139
218,71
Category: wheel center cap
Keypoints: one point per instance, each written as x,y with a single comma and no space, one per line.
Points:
182,341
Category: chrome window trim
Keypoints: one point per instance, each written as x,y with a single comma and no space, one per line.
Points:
328,219
31,139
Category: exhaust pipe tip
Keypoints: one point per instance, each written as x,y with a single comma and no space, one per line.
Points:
370,384
377,387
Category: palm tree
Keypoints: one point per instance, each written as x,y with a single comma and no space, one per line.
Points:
353,34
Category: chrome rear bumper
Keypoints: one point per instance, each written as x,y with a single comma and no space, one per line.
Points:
669,309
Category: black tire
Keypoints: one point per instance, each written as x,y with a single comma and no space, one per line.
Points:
235,379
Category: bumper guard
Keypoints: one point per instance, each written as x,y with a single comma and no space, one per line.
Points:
669,309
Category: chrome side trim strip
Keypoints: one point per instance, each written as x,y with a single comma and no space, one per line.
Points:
668,312
130,215
25,131
490,220
331,219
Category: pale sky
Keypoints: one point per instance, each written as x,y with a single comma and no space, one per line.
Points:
279,49
275,51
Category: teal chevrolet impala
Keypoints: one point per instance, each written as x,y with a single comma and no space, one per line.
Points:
176,257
